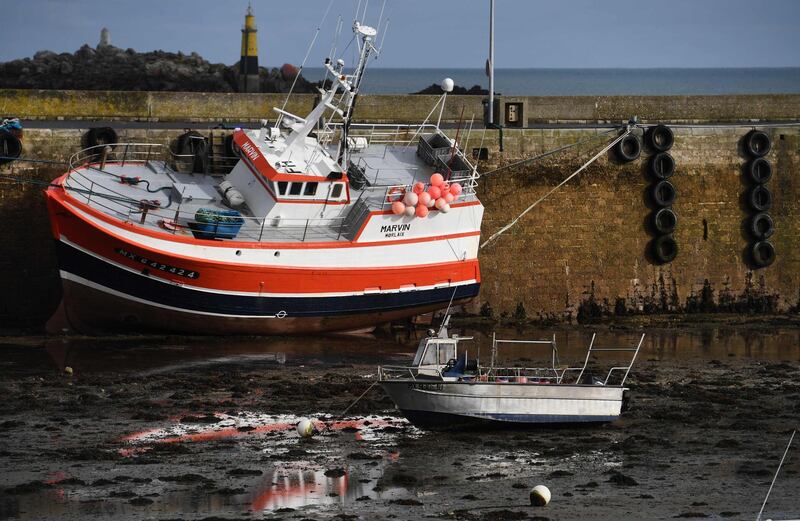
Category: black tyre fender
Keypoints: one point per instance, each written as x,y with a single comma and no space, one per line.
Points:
663,194
762,226
200,160
101,136
763,253
659,138
661,165
759,198
10,147
628,148
757,143
231,149
665,221
664,249
187,143
759,170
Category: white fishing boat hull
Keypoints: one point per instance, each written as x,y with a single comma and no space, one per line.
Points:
440,404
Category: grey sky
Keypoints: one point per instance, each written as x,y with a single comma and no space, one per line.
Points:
431,33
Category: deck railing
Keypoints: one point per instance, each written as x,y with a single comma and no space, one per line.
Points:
158,159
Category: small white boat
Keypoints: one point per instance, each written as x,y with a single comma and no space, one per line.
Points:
444,388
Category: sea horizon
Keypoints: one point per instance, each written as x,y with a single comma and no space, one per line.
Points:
569,81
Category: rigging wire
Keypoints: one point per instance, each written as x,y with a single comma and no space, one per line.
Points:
562,183
302,65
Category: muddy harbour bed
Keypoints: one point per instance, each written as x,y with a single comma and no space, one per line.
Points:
190,428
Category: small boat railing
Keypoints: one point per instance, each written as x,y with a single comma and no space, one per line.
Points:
558,374
533,375
389,372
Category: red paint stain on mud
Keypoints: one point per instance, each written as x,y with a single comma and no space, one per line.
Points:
212,434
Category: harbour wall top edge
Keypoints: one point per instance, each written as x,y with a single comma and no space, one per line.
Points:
399,108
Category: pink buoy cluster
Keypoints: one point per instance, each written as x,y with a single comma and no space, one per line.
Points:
421,201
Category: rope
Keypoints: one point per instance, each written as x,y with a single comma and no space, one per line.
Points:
550,153
562,183
357,399
26,160
116,198
775,477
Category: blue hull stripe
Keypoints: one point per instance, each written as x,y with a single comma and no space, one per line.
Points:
105,274
436,420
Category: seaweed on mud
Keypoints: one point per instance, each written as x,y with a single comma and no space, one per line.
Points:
406,502
620,479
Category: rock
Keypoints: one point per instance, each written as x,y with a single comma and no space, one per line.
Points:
111,68
475,90
44,55
618,478
334,473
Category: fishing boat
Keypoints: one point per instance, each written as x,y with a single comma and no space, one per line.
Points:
444,388
322,224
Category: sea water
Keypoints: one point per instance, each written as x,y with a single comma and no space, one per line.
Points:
587,82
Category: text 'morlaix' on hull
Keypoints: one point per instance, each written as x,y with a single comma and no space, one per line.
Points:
320,225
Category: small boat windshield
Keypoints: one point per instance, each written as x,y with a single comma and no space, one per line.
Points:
435,352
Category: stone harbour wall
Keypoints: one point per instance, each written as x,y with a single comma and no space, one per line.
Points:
390,108
583,252
580,254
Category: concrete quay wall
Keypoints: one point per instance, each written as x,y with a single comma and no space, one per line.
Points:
580,253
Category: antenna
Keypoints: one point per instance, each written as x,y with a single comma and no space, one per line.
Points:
490,62
446,319
775,477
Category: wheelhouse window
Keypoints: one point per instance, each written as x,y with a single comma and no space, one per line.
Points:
311,189
336,193
429,358
295,188
447,352
281,187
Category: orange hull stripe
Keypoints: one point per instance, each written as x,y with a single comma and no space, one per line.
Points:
220,276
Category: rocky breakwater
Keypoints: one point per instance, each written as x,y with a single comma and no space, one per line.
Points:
111,68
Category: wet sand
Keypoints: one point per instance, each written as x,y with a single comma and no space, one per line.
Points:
177,428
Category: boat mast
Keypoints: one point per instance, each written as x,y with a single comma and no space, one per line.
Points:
367,35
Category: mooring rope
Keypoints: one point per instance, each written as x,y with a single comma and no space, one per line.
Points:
562,183
26,160
550,152
341,415
45,184
775,477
